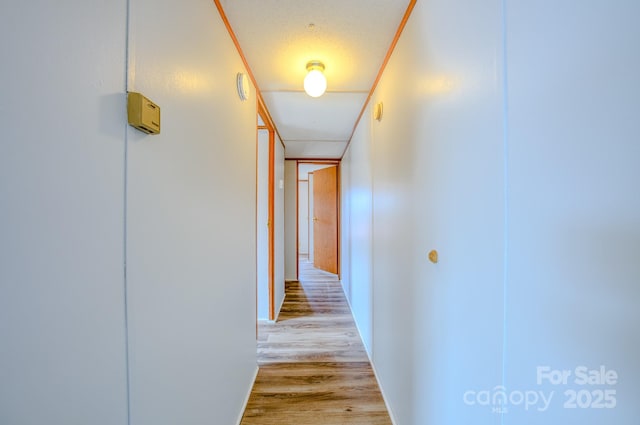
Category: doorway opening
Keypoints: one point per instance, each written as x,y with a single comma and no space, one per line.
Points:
318,215
265,148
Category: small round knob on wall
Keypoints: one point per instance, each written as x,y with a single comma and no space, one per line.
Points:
433,256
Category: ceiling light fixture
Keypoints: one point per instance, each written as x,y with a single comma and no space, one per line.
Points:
315,82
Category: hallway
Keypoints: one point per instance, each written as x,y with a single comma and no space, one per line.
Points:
502,136
313,366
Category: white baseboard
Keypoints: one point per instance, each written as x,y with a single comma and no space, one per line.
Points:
277,312
384,397
246,399
373,366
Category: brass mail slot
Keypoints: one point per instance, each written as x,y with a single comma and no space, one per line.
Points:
143,114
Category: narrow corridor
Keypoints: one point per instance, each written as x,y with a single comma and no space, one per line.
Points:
313,365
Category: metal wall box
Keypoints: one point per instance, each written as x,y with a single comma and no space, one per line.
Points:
143,114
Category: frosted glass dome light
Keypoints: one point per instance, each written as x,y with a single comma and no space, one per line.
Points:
315,83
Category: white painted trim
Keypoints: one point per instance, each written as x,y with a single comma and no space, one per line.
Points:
277,312
373,366
246,399
384,397
356,323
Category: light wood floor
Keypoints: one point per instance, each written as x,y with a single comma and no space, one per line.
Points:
313,366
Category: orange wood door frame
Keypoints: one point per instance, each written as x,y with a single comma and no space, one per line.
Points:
270,210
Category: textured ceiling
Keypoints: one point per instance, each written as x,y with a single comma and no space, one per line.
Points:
279,37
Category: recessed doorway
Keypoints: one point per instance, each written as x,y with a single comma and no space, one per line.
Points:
318,214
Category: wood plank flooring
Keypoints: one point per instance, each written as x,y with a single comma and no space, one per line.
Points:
313,367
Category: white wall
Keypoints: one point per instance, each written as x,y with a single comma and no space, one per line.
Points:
263,227
437,184
191,194
345,227
525,182
310,207
262,224
279,242
574,209
357,249
262,219
84,194
290,222
303,217
62,79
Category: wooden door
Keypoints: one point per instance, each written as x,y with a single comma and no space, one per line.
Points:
325,219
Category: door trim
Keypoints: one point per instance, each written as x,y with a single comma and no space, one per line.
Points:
331,161
268,125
